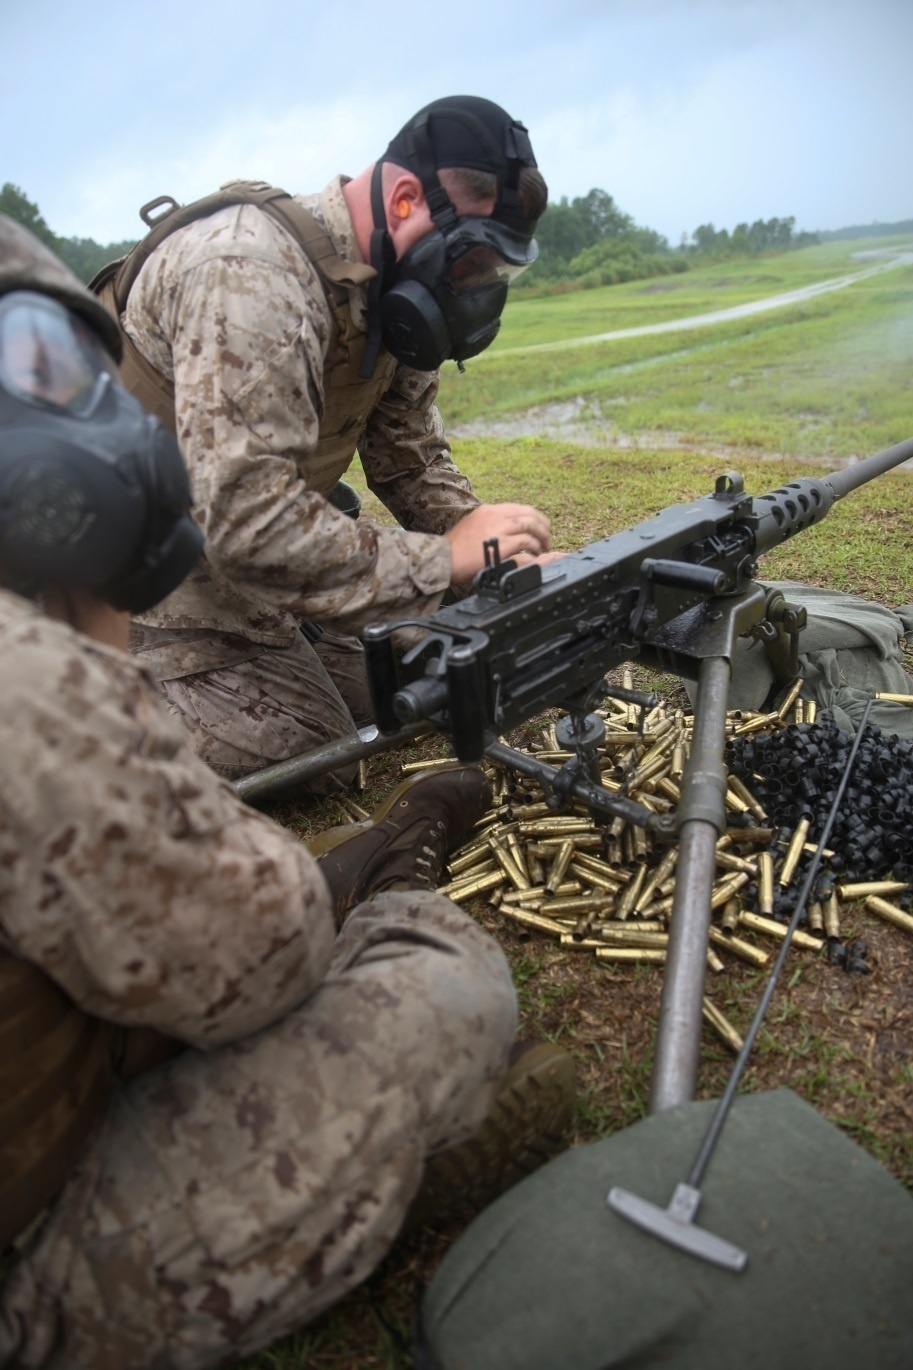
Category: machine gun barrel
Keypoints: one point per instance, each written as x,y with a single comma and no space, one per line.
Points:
851,477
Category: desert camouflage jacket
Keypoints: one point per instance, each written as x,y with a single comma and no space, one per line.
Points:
233,312
129,872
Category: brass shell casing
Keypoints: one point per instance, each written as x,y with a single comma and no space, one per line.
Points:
721,1025
790,699
512,844
467,889
766,882
628,896
616,930
559,866
724,891
508,865
610,882
534,921
726,861
730,917
793,852
744,950
631,955
863,888
753,805
889,912
632,936
580,903
775,929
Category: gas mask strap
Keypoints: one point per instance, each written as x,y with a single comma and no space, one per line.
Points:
443,214
383,256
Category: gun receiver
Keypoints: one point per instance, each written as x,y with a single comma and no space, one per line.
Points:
531,637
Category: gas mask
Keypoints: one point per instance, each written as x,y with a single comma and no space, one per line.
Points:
93,490
444,298
447,293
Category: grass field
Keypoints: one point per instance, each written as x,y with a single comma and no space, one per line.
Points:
814,383
532,319
828,378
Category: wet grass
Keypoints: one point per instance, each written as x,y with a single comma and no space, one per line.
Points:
864,546
827,378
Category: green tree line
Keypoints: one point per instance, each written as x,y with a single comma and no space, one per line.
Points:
764,235
82,255
589,241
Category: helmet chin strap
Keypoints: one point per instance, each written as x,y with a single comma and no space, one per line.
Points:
383,257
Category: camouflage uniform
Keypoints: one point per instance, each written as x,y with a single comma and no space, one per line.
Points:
234,1192
232,311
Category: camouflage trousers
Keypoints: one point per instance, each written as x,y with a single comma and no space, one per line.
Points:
274,705
231,1196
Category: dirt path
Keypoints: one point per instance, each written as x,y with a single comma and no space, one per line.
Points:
891,258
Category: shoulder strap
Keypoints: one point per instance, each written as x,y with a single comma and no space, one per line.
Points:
293,217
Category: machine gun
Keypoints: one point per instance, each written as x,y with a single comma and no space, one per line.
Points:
532,637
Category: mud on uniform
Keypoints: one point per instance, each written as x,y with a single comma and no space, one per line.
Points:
231,309
232,1193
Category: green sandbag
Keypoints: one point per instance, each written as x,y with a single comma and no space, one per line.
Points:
850,650
550,1278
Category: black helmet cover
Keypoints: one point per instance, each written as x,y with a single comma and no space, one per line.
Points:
444,298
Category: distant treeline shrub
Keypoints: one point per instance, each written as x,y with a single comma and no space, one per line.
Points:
589,242
764,235
829,235
613,261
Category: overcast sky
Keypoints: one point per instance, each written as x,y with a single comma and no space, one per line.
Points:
686,111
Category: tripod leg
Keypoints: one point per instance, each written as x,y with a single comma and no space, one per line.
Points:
702,818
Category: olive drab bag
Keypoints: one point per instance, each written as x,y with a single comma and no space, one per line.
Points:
550,1278
849,651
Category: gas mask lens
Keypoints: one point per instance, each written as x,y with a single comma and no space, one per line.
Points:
48,357
480,267
483,252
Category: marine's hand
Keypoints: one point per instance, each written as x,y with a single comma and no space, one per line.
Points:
522,559
519,529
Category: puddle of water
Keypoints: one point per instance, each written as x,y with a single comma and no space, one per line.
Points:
583,423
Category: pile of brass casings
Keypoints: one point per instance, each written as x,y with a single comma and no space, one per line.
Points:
604,888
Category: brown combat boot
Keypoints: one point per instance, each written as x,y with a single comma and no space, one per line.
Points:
528,1124
404,844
